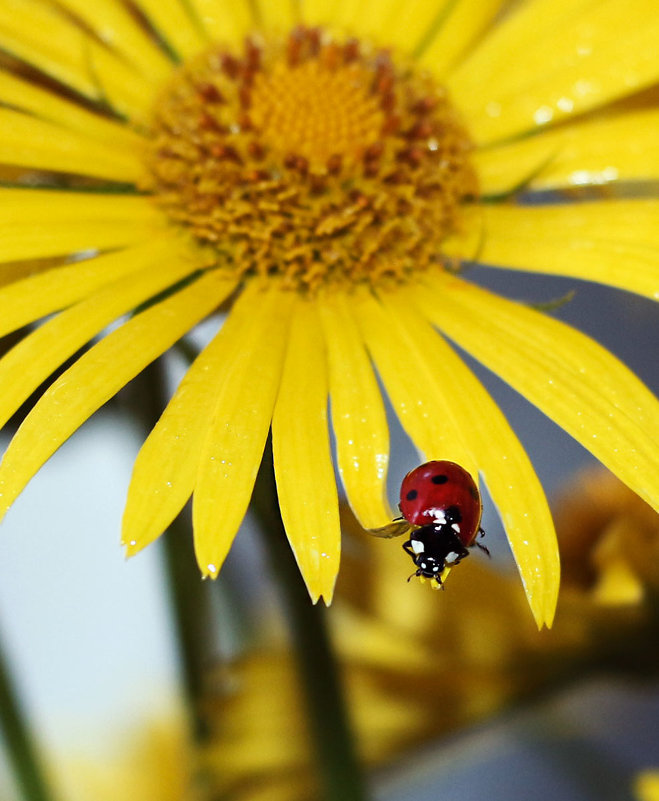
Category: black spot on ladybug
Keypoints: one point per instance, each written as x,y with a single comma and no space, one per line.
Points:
473,491
440,479
411,495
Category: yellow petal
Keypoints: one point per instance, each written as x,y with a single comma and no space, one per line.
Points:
29,142
302,458
614,242
320,12
520,29
168,462
230,457
624,147
27,96
501,460
129,92
598,53
364,19
174,22
39,295
417,393
358,415
40,35
407,25
25,206
224,20
120,31
576,382
37,355
36,241
96,377
46,38
17,270
463,23
281,16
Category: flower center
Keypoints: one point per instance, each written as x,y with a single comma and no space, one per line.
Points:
310,158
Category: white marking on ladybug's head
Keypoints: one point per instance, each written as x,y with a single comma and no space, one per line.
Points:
436,515
435,568
456,527
451,557
423,565
417,546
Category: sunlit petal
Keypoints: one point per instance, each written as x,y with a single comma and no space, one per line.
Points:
37,355
416,392
591,152
319,12
306,486
38,207
409,24
38,295
29,142
40,35
224,20
112,23
575,381
176,25
26,96
96,377
231,454
601,55
462,24
367,17
168,462
127,91
358,416
279,16
34,241
614,242
43,36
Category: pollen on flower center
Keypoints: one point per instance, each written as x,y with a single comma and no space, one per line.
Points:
317,160
317,109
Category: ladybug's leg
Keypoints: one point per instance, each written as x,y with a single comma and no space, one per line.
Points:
461,553
407,547
453,547
483,548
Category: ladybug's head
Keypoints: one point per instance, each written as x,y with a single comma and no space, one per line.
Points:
428,566
428,552
432,548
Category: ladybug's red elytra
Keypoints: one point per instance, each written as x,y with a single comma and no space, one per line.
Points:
441,501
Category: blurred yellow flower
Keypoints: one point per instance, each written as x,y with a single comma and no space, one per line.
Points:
647,785
415,671
155,763
323,180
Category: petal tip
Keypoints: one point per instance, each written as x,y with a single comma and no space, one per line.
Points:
210,570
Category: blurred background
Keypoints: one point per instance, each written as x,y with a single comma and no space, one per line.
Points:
455,694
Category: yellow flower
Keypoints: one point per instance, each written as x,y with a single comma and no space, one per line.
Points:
415,672
646,786
323,180
154,762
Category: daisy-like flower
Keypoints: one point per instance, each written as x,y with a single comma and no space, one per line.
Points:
322,171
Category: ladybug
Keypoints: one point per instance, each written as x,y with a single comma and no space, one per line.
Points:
442,504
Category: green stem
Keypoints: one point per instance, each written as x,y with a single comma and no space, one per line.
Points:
20,746
189,597
191,617
333,740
